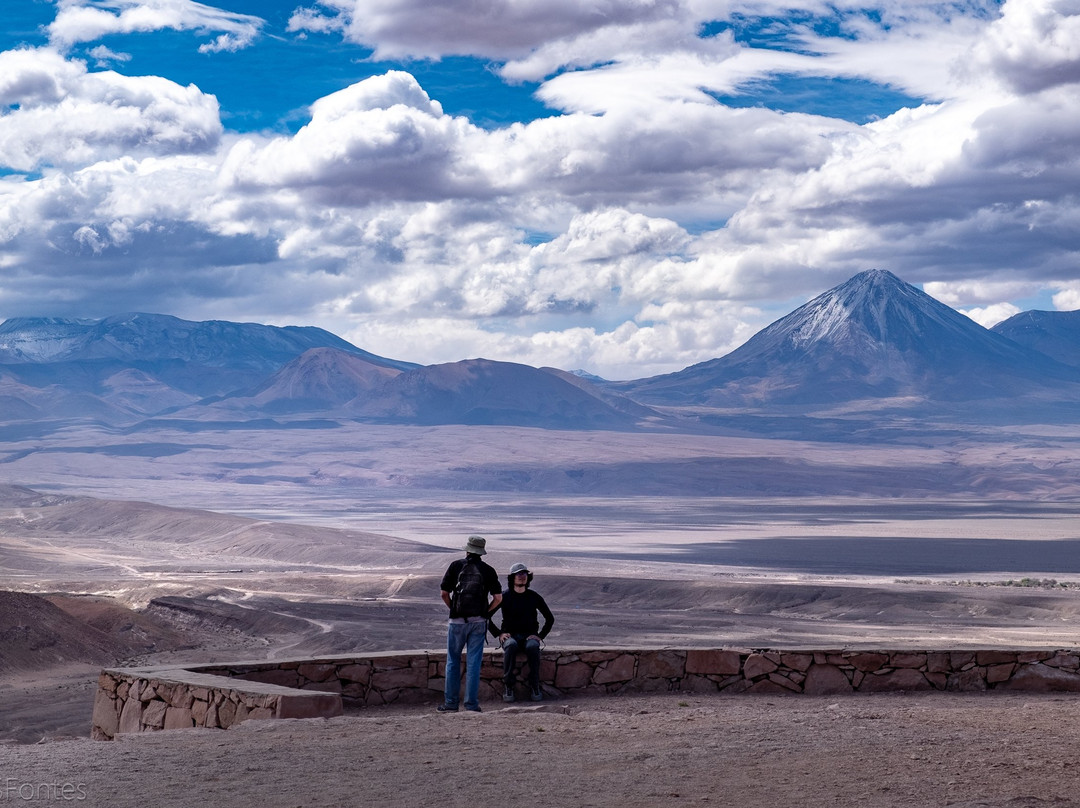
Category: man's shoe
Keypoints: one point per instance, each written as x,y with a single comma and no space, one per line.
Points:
508,694
473,710
537,694
445,708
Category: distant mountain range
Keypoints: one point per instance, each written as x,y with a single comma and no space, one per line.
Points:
134,365
872,342
161,338
1054,333
876,338
475,391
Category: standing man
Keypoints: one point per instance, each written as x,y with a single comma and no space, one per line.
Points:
465,589
521,629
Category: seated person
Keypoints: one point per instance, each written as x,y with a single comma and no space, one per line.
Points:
520,629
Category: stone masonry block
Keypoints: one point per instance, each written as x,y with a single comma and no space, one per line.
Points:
386,663
1039,678
325,687
1027,657
784,682
758,665
107,683
226,713
106,713
596,657
972,679
662,664
362,673
867,662
906,679
938,662
572,676
181,697
198,712
697,683
825,680
309,705
718,663
999,673
274,676
798,662
908,660
317,671
961,659
154,714
131,716
178,718
619,669
547,670
1063,660
994,657
394,679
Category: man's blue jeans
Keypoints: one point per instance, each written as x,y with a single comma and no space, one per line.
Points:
460,635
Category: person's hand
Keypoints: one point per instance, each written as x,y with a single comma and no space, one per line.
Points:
534,637
503,637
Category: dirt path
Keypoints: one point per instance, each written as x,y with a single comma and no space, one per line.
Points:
630,752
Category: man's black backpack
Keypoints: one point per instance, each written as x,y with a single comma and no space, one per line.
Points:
469,597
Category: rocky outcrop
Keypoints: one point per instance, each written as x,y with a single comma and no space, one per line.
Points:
139,700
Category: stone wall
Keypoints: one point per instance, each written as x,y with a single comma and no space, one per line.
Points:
142,700
219,695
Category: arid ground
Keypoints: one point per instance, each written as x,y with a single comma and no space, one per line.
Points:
892,751
249,563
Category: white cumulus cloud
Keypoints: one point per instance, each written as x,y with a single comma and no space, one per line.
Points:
80,21
644,227
54,112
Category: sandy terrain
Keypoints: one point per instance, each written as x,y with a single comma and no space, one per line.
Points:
231,466
884,751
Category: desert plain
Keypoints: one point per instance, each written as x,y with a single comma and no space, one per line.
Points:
186,545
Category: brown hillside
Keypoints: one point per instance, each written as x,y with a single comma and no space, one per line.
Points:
36,634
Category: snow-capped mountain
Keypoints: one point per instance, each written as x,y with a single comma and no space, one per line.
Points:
134,365
873,343
159,337
872,337
1054,333
128,367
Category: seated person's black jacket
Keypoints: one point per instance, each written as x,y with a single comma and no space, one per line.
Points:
519,615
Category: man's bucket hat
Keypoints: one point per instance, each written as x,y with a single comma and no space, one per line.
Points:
476,545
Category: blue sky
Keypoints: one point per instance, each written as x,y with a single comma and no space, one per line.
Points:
624,186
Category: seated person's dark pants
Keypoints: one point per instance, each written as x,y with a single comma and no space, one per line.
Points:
532,654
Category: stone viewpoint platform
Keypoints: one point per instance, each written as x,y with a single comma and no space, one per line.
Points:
221,695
